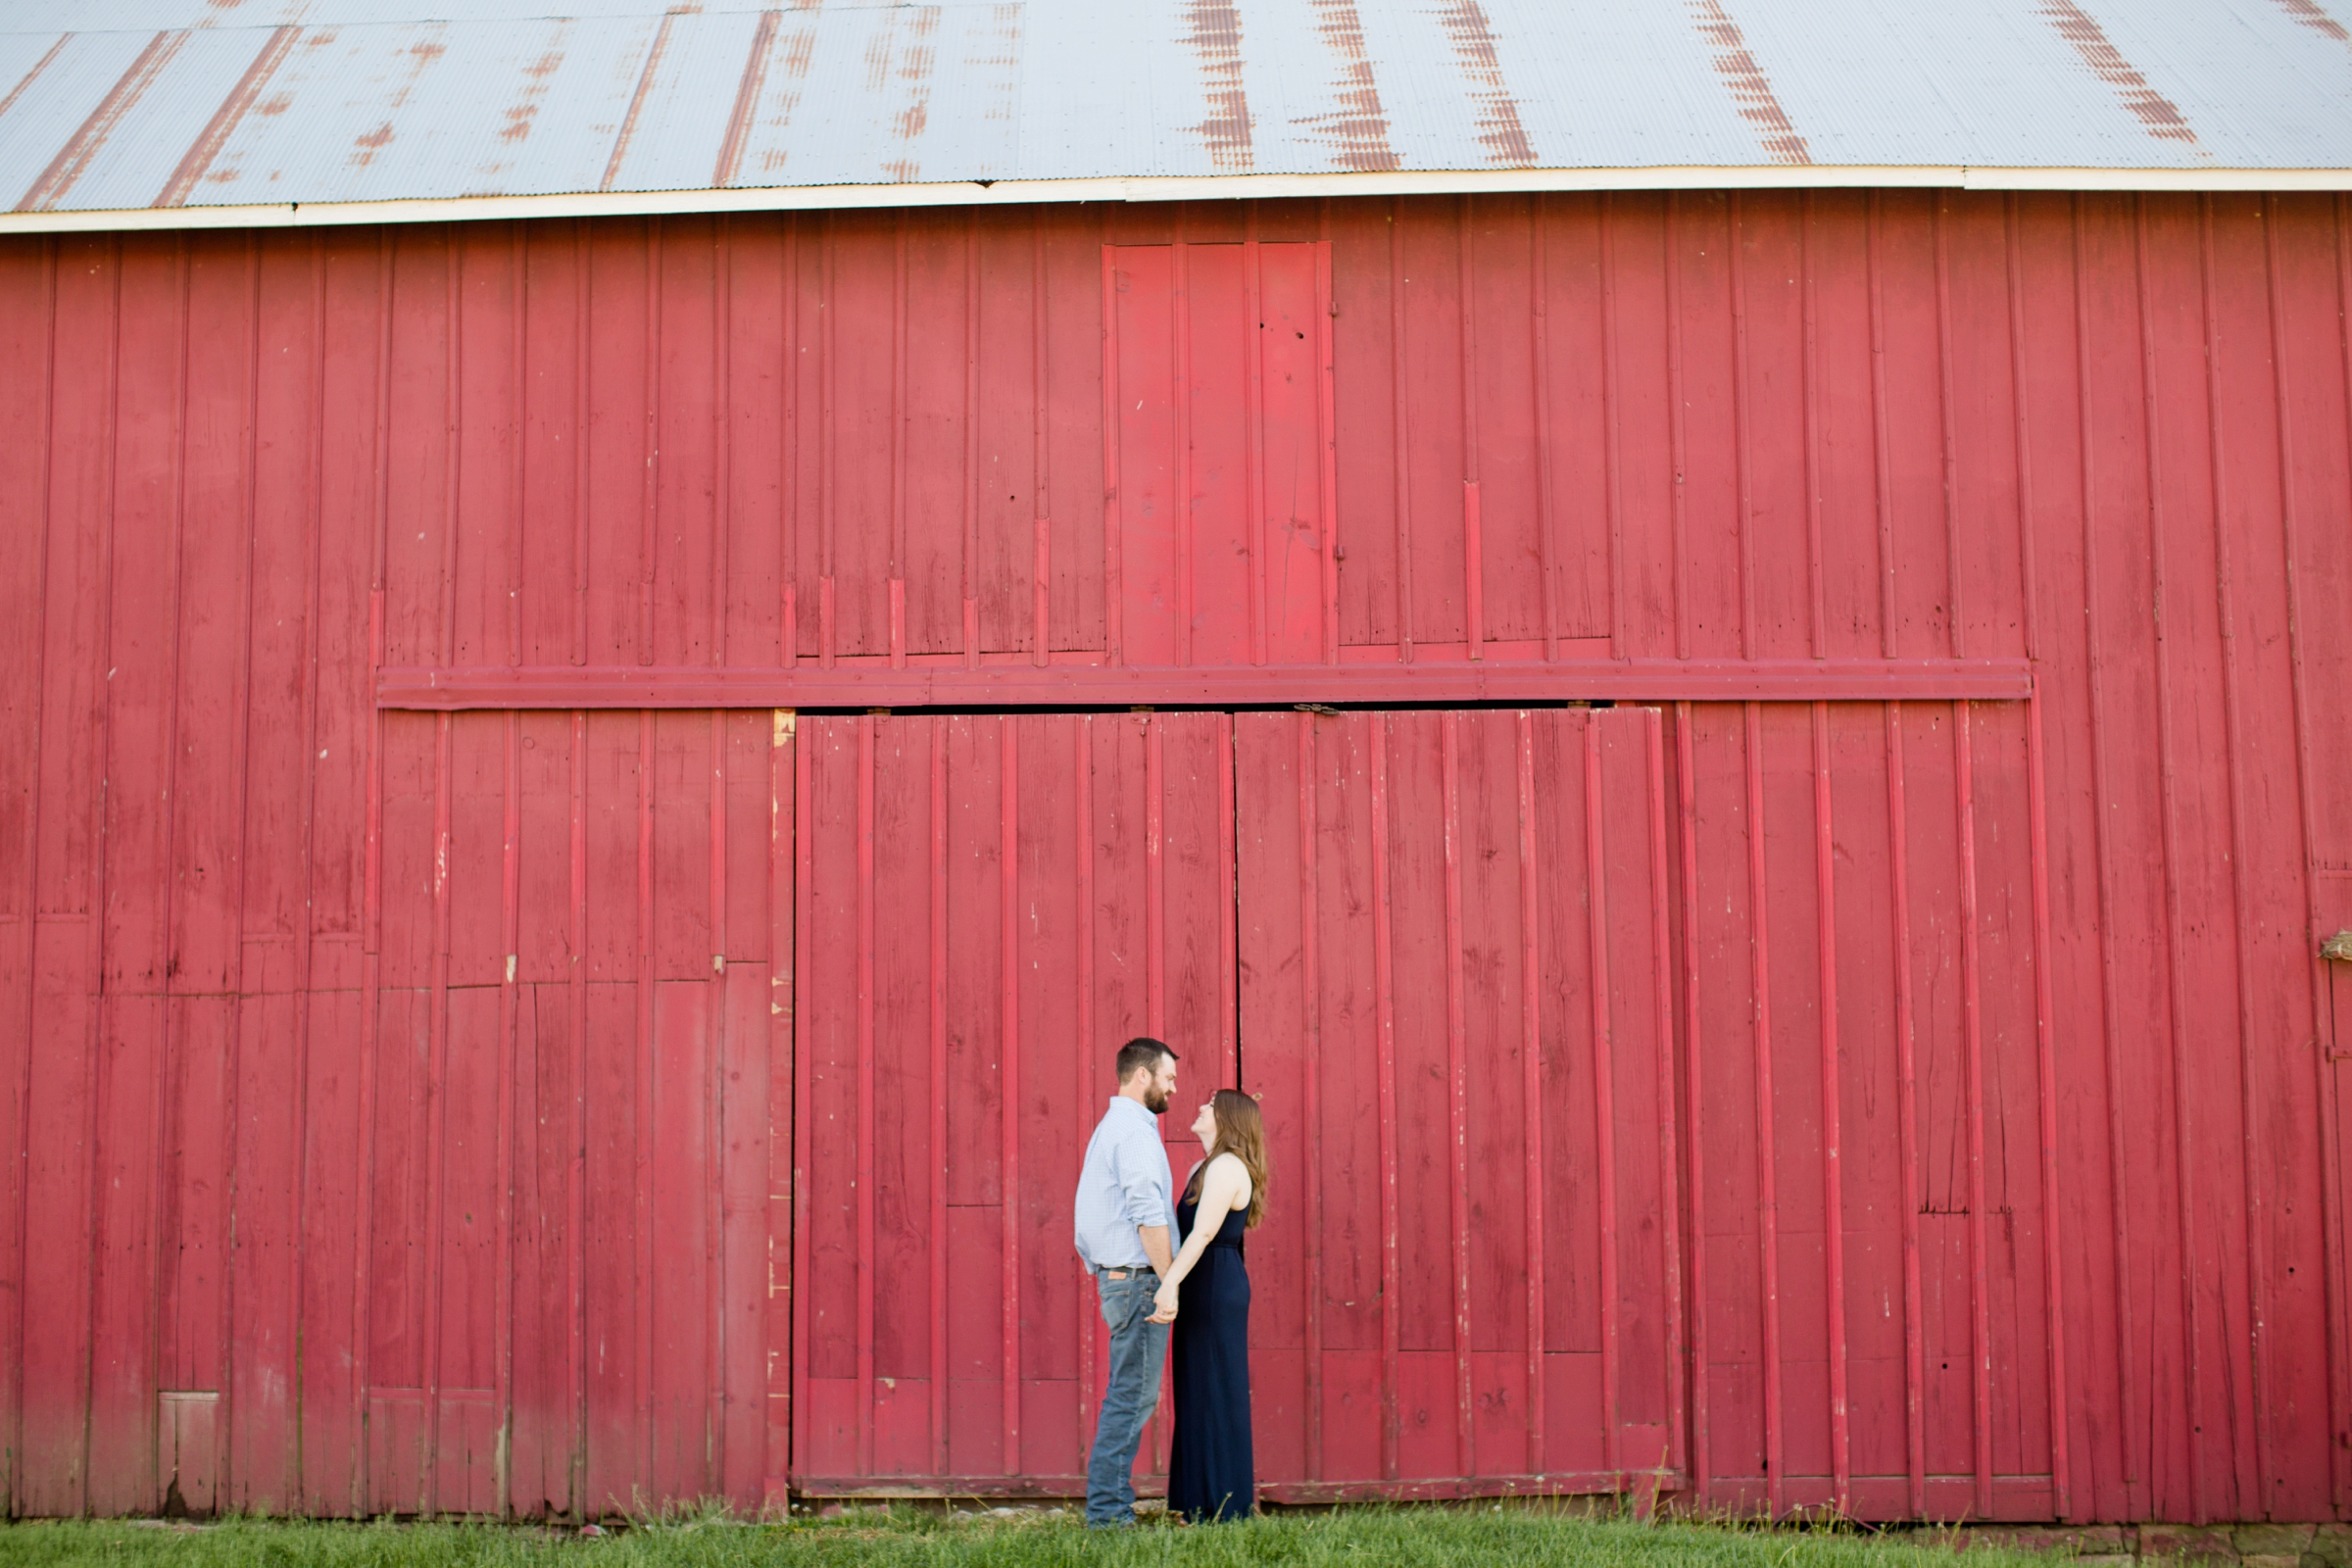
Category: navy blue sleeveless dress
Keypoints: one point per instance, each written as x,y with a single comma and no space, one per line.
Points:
1211,1472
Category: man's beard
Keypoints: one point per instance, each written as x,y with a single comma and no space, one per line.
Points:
1155,1101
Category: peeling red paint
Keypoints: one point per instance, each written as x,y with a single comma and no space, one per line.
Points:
645,83
2159,115
73,159
1216,37
1499,130
1751,91
746,99
2318,21
207,147
1360,129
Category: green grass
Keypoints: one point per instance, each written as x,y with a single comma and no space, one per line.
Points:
1354,1537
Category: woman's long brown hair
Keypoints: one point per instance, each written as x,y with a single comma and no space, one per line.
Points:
1241,1133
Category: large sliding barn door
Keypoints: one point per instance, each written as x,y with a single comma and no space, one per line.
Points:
986,907
1457,1010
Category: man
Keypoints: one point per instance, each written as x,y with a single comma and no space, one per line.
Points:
1126,1209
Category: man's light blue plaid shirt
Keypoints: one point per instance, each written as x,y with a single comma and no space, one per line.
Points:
1124,1183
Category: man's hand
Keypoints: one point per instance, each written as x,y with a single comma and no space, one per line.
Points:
1163,1304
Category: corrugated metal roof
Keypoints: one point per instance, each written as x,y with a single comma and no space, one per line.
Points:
123,105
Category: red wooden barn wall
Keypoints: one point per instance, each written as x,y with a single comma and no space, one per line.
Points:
1993,556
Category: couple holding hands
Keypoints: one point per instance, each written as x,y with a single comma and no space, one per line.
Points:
1190,1305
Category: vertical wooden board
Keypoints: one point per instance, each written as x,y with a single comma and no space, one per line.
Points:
410,762
544,1132
1644,1305
121,1405
1346,1138
2196,846
395,1275
613,1440
975,1107
1912,360
464,1274
902,1157
1723,1078
489,298
754,314
1499,306
861,285
2286,1146
825,1028
263,1255
1197,957
1217,558
1429,379
680,1293
2021,1392
1699,270
1276,1052
1495,1161
61,1212
1072,241
1053,1092
345,532
935,487
1771,236
686,614
1012,414
547,408
477,826
685,935
1145,511
1363,347
1290,471
192,1228
1121,964
1984,421
2118,592
1845,425
334,1186
617,439
1939,1055
1793,933
742,1283
1564,1014
1647,481
426,431
1417,826
1869,1106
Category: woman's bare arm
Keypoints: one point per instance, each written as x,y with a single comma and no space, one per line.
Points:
1224,1187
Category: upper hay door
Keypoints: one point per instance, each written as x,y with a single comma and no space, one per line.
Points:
1221,504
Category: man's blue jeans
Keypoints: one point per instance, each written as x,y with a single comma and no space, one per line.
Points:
1138,1346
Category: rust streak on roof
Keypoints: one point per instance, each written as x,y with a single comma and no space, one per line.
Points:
914,69
1361,126
2308,13
1500,129
233,108
1751,91
525,108
38,65
800,52
1216,37
74,157
747,98
2157,114
645,83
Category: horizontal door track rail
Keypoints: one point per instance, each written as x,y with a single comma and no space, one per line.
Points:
860,683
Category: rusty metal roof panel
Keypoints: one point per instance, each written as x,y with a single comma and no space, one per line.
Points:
108,105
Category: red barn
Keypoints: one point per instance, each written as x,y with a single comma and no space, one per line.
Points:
1710,644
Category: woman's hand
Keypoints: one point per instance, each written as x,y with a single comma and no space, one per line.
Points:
1163,1304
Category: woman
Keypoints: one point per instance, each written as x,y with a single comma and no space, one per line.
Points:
1211,1474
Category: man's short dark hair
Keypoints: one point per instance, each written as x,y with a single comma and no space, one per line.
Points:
1142,1054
